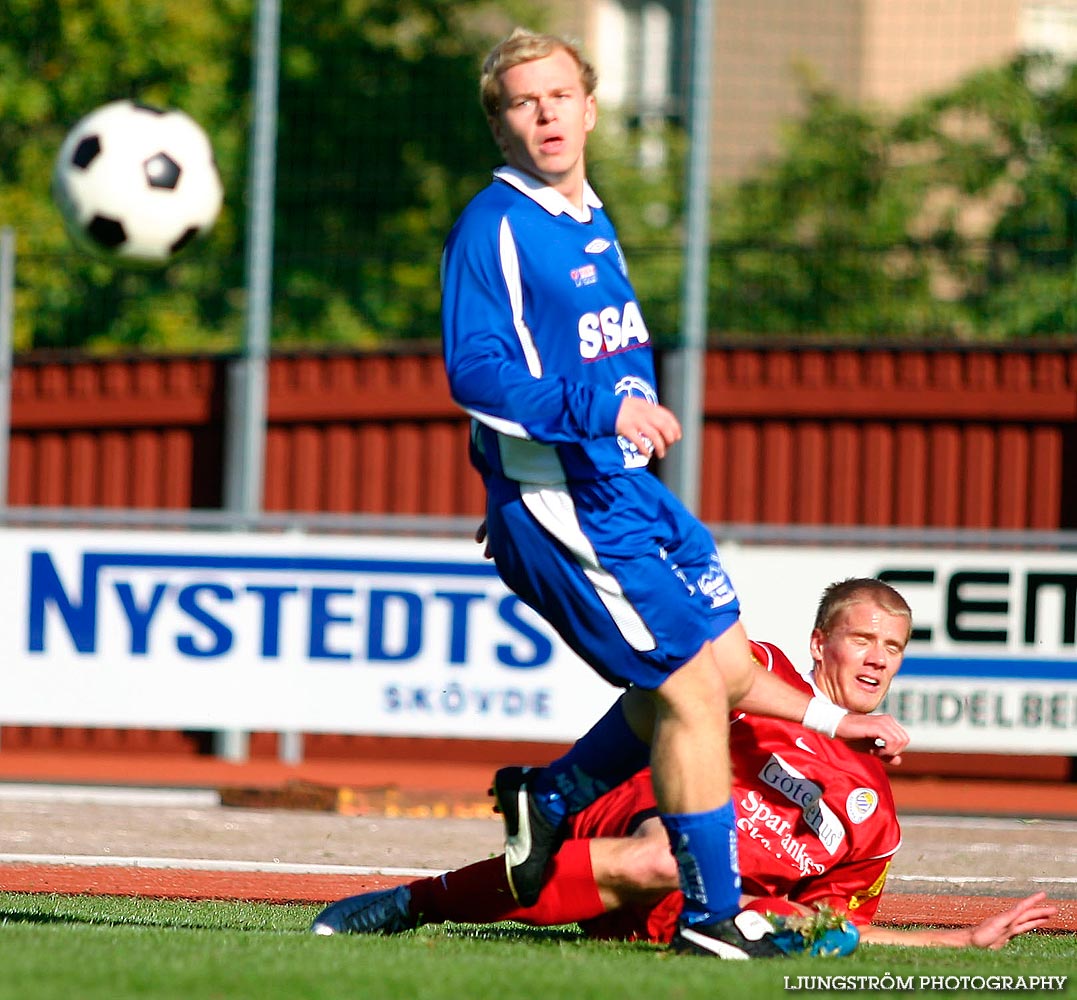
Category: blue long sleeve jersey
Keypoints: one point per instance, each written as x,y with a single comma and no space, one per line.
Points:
543,335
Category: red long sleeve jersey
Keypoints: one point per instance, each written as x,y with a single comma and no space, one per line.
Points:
816,819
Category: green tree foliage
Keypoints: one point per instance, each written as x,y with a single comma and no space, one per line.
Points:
1006,143
956,219
805,245
381,141
62,59
639,174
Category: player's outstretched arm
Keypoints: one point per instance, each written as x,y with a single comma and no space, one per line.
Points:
993,933
769,695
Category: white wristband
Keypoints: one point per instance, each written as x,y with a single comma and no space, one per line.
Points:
823,716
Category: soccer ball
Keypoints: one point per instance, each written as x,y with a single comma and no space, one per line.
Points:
136,184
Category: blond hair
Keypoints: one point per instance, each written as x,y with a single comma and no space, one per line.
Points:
840,596
520,47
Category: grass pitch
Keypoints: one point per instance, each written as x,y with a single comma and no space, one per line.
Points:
108,948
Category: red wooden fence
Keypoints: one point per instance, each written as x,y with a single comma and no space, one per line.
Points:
910,437
979,438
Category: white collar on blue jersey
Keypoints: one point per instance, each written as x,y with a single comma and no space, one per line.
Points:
553,201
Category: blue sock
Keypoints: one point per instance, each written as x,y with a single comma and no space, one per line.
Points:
705,846
608,754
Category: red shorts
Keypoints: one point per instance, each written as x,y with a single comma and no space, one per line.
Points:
618,814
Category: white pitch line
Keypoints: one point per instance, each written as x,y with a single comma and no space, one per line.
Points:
183,798
203,864
955,879
291,868
984,823
974,879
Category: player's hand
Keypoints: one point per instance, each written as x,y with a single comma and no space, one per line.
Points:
651,427
480,537
1025,915
881,735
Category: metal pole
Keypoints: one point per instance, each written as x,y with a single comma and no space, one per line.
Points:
245,446
7,340
682,380
246,413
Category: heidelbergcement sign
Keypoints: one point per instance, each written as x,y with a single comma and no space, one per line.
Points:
992,664
418,637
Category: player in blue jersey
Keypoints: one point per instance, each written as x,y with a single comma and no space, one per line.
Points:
546,347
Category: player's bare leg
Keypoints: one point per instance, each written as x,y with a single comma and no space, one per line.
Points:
693,783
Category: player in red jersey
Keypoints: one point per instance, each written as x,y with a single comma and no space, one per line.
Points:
816,821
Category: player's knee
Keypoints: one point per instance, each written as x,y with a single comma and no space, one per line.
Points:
696,689
657,871
643,866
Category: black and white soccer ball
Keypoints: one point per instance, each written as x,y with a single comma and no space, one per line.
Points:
136,184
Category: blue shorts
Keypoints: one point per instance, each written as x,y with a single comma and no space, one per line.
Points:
629,579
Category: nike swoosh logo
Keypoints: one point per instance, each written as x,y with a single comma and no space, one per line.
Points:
518,847
722,949
799,741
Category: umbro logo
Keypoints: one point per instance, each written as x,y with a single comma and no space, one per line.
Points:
597,245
